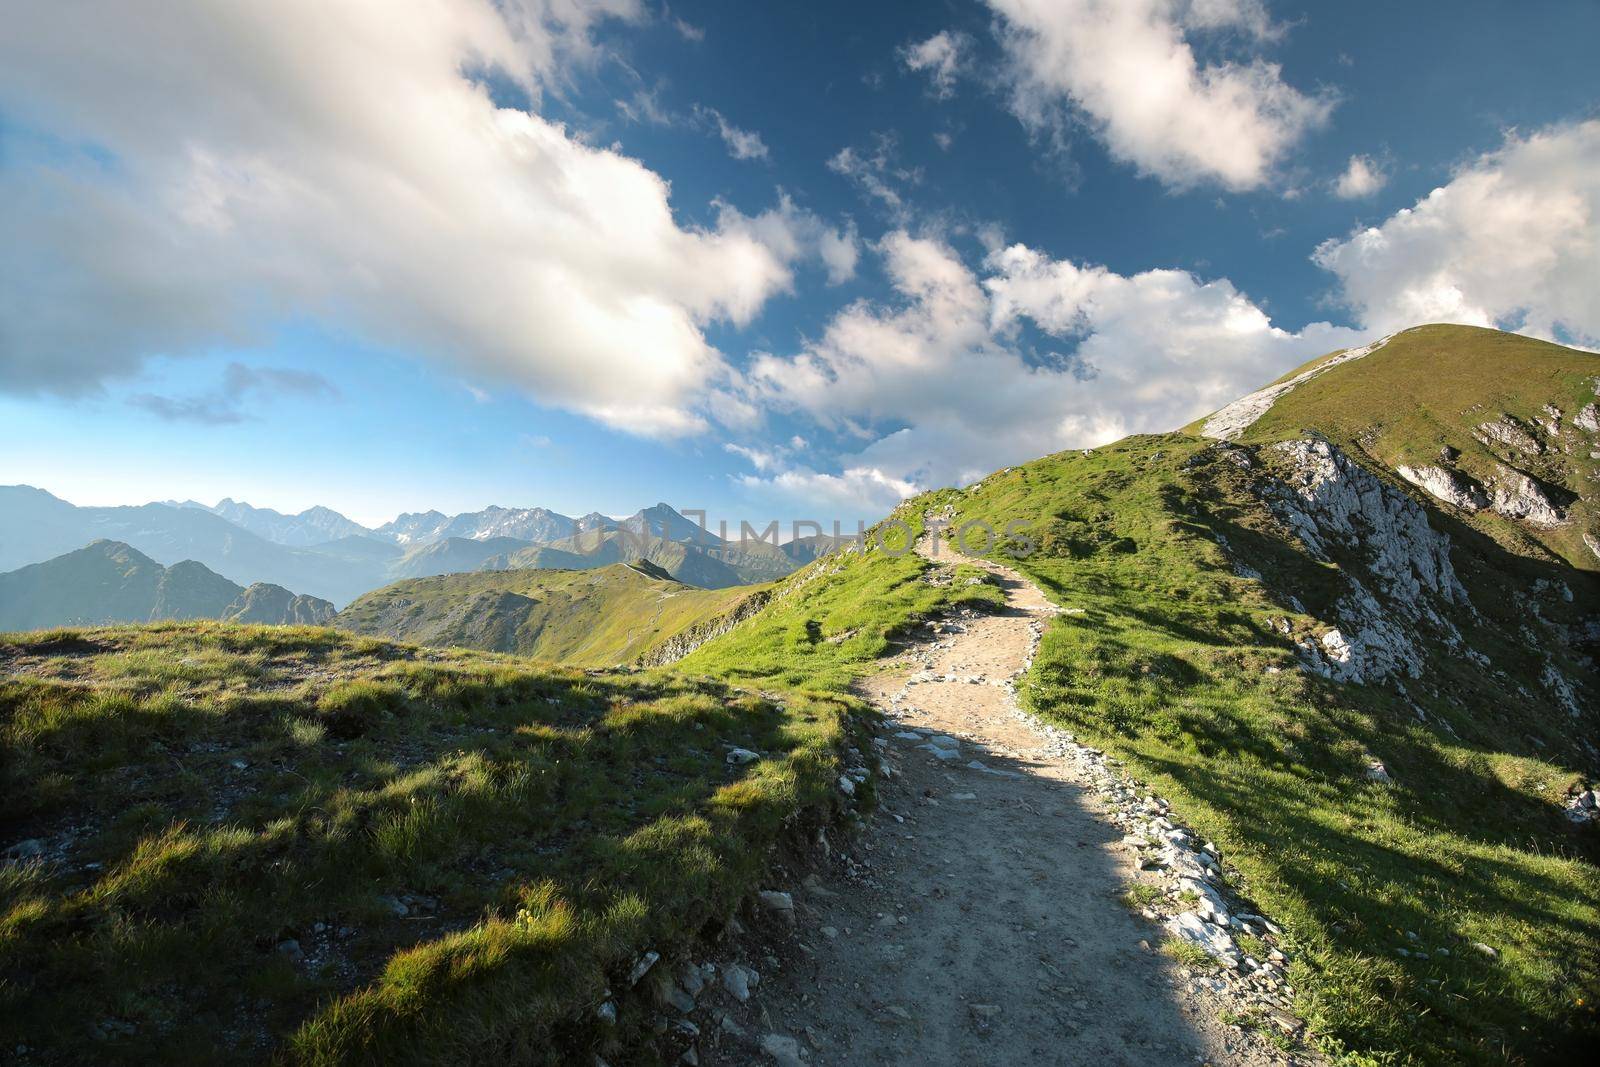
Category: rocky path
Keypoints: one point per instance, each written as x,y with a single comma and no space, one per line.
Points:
979,918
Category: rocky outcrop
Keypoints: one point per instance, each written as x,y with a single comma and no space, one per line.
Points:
1588,419
1331,501
1507,432
1447,485
681,644
1339,509
1517,496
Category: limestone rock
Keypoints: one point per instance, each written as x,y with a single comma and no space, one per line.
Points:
1212,939
1447,485
1516,496
1508,433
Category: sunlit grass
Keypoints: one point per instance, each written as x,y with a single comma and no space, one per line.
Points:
1172,663
552,824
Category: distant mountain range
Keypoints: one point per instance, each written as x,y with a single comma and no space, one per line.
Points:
327,555
109,582
313,526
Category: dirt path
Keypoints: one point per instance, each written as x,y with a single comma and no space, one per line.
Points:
978,918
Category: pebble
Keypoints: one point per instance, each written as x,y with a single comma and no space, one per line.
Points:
778,903
785,1050
642,967
739,980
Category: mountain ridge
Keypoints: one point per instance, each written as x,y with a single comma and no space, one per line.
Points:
109,582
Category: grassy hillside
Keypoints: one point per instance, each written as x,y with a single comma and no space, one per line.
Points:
1183,669
596,618
828,623
236,844
1421,399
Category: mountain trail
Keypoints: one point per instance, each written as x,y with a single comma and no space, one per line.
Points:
978,918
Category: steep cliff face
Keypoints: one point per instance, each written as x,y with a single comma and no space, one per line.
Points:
1387,603
1397,568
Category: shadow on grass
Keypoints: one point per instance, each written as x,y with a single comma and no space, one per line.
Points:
217,870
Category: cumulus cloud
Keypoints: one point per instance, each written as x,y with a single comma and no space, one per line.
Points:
1361,178
1128,69
940,57
943,383
1513,240
196,172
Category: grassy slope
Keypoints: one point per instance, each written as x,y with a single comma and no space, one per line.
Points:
206,792
829,622
1429,387
1174,667
588,618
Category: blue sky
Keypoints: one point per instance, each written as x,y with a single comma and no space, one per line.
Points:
773,261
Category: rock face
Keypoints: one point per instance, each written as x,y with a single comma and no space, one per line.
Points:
1447,485
680,645
1337,508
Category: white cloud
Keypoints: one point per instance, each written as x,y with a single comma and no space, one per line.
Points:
1129,68
759,458
742,144
1361,178
645,106
792,233
1512,240
940,56
856,491
336,159
878,174
943,384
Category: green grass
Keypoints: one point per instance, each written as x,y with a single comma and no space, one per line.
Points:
1141,895
1173,665
208,792
829,623
589,618
1188,954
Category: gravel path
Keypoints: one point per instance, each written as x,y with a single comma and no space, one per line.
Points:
978,918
